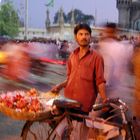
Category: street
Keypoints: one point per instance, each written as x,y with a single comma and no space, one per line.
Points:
10,129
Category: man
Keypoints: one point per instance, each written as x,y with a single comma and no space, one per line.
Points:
85,74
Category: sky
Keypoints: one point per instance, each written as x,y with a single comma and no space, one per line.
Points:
103,10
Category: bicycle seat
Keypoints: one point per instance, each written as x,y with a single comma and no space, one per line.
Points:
63,102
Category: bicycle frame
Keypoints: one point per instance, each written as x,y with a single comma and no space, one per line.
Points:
113,129
106,128
103,128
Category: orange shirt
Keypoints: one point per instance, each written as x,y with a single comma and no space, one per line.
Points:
84,75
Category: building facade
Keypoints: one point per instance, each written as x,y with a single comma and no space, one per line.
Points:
128,21
60,30
129,14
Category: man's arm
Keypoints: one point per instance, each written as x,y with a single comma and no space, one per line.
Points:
58,87
102,91
100,80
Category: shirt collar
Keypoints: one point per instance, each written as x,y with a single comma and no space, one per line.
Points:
76,51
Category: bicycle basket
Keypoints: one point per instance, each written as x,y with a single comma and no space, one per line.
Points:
23,107
14,114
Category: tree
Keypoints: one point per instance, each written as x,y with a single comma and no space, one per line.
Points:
9,20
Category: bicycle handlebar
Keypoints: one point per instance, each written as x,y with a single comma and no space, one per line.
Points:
97,107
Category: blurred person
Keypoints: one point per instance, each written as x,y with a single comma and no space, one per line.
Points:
116,55
132,41
136,64
63,51
136,105
24,63
85,78
3,57
72,46
12,51
18,61
107,45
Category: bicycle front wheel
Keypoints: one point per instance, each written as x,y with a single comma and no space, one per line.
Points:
38,131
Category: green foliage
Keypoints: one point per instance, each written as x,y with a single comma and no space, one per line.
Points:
79,16
9,21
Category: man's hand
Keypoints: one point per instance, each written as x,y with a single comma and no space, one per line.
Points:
56,89
105,109
54,110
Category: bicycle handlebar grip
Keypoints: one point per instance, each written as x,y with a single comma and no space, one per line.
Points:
66,103
97,107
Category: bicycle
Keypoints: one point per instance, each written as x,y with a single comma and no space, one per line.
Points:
104,129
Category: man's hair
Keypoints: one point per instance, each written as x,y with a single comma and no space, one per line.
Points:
82,26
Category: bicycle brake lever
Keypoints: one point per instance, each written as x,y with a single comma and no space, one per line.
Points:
123,103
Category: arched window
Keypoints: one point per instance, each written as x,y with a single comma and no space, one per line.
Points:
137,25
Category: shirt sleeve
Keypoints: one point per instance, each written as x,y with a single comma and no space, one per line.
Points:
69,66
99,70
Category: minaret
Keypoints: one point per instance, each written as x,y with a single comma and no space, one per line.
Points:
124,12
47,19
72,18
61,17
26,20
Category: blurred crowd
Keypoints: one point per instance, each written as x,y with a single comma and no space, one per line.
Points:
18,58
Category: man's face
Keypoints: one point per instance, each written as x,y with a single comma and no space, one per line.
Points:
83,37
